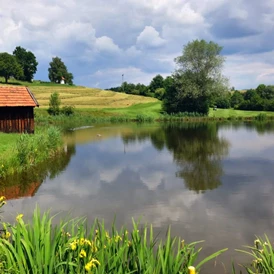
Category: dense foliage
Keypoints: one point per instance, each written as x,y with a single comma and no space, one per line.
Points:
197,78
58,71
27,61
54,106
9,67
156,88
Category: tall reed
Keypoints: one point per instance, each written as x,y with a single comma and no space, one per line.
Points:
71,247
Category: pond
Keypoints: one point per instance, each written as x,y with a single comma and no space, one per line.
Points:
212,182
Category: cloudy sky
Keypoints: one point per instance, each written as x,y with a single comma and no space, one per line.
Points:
99,40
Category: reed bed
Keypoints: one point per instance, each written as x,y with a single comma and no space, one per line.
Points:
30,149
70,247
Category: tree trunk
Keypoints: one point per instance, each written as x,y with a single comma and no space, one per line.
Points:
6,78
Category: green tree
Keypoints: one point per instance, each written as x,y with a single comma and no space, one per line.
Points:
9,66
236,99
265,92
58,70
160,93
156,82
28,62
197,77
54,104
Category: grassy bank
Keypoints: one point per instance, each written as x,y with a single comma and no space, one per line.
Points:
21,152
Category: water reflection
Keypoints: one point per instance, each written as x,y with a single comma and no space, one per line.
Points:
147,170
196,148
27,183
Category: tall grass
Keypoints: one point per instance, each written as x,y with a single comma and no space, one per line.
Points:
71,247
262,255
30,150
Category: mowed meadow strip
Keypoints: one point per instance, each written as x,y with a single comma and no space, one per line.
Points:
82,97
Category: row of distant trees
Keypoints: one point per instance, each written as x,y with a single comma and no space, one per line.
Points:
157,87
261,98
22,65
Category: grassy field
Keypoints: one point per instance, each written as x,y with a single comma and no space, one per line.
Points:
7,144
81,97
225,113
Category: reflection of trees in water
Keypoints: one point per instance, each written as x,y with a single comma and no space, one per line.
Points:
27,182
197,150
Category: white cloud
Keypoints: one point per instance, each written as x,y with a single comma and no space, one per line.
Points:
150,38
106,44
138,34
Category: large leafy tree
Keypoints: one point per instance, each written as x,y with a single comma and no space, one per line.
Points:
58,70
9,66
28,62
156,82
197,78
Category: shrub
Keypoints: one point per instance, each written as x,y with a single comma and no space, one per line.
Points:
67,110
54,104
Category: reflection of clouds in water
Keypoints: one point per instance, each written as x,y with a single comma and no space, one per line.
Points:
102,183
117,145
248,143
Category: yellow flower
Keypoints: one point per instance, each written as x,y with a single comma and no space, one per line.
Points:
73,246
191,270
19,217
88,242
83,253
82,241
6,235
117,238
91,264
2,198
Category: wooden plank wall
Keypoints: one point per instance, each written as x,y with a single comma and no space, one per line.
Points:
17,119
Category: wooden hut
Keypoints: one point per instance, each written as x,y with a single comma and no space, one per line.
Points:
16,109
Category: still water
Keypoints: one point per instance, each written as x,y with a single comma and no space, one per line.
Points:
212,182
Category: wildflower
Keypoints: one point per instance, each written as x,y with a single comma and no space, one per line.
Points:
92,263
83,254
2,198
73,246
19,217
82,241
191,270
257,243
88,242
6,235
183,243
117,238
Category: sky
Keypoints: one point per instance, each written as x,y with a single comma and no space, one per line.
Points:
99,40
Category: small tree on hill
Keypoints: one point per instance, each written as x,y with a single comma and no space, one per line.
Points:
9,66
57,70
28,62
54,104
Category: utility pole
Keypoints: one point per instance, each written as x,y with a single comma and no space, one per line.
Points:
123,82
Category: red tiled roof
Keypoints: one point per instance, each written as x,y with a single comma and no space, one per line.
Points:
13,96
